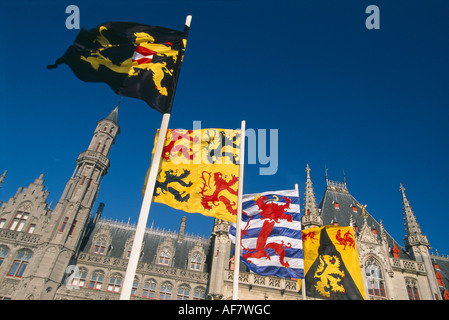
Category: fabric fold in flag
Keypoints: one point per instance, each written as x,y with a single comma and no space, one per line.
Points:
271,234
135,60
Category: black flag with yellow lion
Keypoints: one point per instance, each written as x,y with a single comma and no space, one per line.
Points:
135,60
331,264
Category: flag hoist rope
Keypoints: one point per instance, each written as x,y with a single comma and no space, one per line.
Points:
146,204
238,231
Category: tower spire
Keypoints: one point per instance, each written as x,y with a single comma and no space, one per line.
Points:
2,177
413,233
311,217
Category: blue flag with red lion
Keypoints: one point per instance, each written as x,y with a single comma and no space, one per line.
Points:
271,234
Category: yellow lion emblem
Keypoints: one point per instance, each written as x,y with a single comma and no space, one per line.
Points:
132,67
329,275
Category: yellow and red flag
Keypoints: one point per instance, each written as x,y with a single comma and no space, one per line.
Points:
199,172
331,264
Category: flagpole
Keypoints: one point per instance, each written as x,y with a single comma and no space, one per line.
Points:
148,196
238,235
144,211
303,280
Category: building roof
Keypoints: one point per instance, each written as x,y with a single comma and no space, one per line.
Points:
344,210
121,232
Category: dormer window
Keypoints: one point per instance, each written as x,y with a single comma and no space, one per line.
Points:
354,208
164,257
336,205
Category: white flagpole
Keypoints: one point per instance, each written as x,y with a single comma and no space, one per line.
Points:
144,211
238,235
303,281
146,202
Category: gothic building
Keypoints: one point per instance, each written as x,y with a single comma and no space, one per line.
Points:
69,253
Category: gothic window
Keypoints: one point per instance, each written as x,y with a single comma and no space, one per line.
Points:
72,227
149,289
3,253
112,129
100,246
98,146
64,223
19,221
183,292
134,288
165,293
412,289
80,279
2,223
196,262
115,283
164,257
374,279
199,293
20,263
96,281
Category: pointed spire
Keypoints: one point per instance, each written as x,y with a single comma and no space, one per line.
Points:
113,116
413,231
412,226
311,216
2,177
309,201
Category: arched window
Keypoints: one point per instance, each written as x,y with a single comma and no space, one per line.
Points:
100,246
164,257
115,283
80,278
374,279
199,293
134,288
20,263
96,281
149,289
196,262
3,253
165,293
412,289
183,292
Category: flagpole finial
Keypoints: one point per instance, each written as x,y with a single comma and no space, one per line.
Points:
188,20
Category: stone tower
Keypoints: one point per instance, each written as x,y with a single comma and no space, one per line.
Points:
64,230
417,245
221,249
311,217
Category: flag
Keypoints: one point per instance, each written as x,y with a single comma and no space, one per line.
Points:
331,263
271,234
199,172
135,60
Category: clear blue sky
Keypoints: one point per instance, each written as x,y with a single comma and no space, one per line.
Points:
373,103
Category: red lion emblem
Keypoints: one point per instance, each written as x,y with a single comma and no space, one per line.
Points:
171,148
346,240
272,213
221,185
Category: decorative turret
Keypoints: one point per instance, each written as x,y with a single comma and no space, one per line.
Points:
413,233
311,217
417,245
